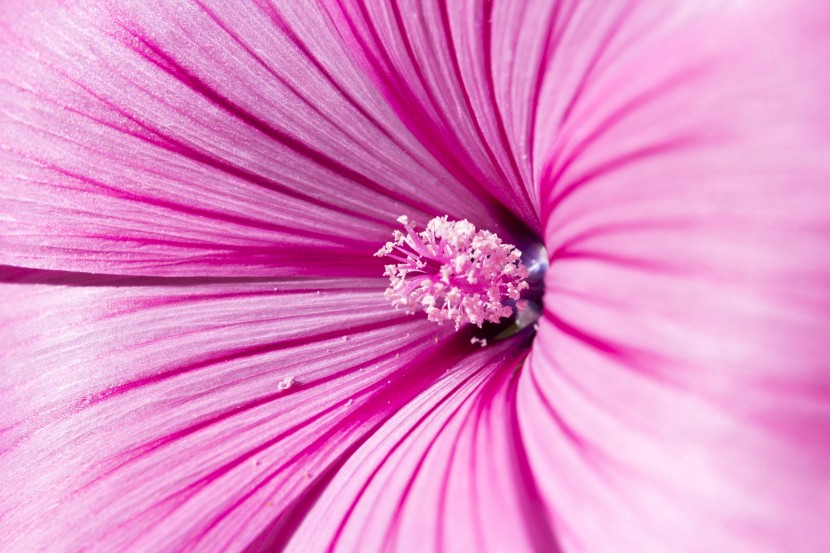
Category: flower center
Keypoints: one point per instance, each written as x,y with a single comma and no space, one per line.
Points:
454,273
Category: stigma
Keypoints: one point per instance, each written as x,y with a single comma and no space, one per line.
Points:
454,272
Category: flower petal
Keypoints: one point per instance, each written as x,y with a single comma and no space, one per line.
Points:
462,76
150,417
679,383
233,140
447,473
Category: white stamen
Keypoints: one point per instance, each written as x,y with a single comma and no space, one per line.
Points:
482,341
453,272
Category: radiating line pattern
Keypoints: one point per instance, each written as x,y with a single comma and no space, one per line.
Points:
195,350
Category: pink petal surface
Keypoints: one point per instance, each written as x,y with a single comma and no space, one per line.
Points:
202,140
679,382
439,476
447,70
158,412
671,155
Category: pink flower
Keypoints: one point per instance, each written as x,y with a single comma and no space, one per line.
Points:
196,353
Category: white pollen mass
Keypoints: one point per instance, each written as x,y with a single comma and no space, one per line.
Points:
453,272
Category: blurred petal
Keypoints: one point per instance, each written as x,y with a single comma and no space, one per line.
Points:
679,383
151,417
447,473
187,139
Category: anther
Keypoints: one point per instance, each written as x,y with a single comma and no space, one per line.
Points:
454,272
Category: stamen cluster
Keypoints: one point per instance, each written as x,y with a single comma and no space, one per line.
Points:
454,272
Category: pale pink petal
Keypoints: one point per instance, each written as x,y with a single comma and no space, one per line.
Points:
446,473
673,155
676,398
243,139
154,417
462,76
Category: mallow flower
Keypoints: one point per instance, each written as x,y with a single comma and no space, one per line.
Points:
451,276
